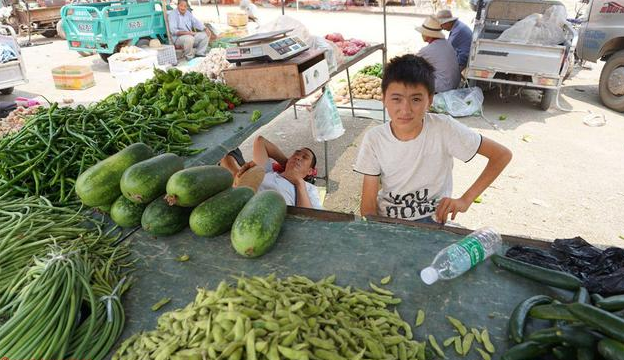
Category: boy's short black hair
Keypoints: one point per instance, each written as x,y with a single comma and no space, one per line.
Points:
409,70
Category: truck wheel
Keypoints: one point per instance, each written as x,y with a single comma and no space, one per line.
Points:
7,91
548,96
59,29
49,33
611,86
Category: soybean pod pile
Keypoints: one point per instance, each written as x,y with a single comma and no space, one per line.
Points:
56,144
269,318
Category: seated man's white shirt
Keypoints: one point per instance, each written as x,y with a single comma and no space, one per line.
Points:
274,181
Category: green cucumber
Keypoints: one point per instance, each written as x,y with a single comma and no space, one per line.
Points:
564,353
526,351
99,184
596,298
161,219
582,296
576,336
125,213
518,317
612,303
552,312
611,349
257,226
549,277
145,181
190,187
103,209
607,323
217,214
585,354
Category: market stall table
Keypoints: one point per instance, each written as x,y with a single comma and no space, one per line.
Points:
317,244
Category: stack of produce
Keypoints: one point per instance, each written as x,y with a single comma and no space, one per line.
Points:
372,70
157,193
56,144
349,47
291,318
588,326
15,120
213,64
363,87
56,264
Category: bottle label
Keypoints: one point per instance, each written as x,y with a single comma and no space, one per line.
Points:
474,248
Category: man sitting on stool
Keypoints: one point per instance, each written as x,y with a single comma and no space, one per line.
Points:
188,32
460,36
440,54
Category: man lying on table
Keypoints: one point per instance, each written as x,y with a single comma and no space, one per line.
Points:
187,31
292,177
412,155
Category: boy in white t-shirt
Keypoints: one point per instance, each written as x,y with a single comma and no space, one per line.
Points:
412,155
292,177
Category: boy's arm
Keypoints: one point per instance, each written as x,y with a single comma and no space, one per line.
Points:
370,188
263,150
498,158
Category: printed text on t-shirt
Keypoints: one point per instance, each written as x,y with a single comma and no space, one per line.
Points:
406,206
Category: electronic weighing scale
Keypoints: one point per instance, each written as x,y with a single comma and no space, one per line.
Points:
270,46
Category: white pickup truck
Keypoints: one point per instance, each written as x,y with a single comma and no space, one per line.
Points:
512,66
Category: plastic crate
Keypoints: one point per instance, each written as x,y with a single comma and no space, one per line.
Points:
166,55
71,77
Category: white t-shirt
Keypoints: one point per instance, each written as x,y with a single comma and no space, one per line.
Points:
415,174
274,181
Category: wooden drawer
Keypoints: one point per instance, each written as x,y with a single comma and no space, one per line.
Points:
290,79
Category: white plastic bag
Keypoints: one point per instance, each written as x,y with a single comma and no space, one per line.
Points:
286,22
459,102
326,123
538,29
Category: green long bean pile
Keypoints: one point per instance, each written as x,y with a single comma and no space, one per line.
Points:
58,143
55,261
267,318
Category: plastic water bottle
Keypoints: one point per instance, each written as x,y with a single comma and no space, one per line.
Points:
458,258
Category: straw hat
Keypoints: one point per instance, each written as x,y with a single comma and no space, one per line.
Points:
445,16
431,27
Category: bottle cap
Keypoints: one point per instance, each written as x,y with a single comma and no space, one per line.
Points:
429,275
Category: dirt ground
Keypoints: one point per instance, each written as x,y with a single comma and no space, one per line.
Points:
565,180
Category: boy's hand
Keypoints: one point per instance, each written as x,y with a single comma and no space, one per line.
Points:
448,205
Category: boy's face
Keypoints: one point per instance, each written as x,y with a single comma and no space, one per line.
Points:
407,104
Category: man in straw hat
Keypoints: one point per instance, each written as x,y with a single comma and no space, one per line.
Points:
460,36
440,54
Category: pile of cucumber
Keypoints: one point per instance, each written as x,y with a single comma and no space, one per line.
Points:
589,327
137,187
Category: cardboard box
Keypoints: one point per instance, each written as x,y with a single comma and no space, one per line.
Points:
71,77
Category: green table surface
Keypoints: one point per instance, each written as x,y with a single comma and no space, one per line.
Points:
315,246
221,139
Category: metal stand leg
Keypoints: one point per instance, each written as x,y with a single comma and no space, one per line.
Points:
295,108
350,93
283,7
217,6
326,150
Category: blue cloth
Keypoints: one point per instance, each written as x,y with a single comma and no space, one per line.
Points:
461,39
7,53
186,22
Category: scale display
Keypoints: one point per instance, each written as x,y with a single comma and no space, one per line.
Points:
273,46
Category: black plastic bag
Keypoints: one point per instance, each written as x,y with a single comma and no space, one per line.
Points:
6,108
602,271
